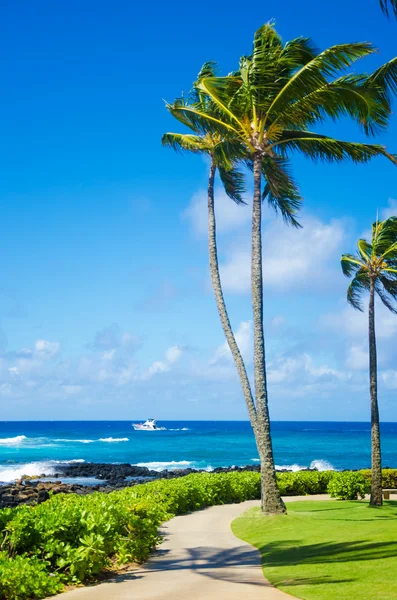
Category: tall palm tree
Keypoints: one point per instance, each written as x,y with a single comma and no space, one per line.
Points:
374,269
223,152
268,106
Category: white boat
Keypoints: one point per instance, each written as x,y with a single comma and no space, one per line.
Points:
149,425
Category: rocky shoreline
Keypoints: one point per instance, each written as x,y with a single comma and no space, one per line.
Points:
109,476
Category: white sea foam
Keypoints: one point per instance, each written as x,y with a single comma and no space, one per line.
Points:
110,439
69,462
321,465
8,474
14,441
180,429
170,465
293,468
73,441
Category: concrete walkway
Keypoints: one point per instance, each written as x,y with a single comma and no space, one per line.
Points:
200,559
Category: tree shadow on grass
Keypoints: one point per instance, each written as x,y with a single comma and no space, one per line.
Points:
281,553
321,580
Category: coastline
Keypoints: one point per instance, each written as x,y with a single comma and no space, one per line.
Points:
87,478
91,477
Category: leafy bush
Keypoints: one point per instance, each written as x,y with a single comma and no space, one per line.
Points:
78,536
303,483
23,577
389,477
348,486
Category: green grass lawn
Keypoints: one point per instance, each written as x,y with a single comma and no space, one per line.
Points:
327,550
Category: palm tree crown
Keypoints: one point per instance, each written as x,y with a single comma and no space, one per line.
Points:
374,261
222,149
280,92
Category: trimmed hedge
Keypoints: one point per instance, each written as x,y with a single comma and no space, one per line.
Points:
348,486
302,483
69,539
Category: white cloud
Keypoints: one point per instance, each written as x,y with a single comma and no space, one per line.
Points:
46,349
278,321
173,354
357,357
390,379
355,323
157,367
391,210
302,369
229,215
292,258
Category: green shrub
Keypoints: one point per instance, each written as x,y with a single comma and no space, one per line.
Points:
77,536
348,486
23,577
389,477
303,483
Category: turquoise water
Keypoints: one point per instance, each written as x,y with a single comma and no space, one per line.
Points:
34,447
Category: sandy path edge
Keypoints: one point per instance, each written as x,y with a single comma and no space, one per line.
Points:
200,558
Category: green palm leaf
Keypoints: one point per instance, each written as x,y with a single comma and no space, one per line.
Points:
315,74
322,147
360,283
387,4
376,262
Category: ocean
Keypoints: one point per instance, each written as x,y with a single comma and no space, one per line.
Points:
31,448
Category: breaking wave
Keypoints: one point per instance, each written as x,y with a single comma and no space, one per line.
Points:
8,474
13,441
319,464
78,441
110,439
170,465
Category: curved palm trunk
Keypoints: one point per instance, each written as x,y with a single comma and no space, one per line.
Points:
220,301
376,485
271,499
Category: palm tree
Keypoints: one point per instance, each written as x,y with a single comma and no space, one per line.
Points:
374,269
223,152
268,106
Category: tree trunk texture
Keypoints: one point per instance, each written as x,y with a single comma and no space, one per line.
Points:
376,484
220,302
271,499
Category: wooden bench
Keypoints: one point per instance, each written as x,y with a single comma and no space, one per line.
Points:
386,493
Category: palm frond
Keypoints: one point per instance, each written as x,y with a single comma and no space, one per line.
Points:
359,284
233,183
385,77
382,287
365,249
221,90
350,96
351,264
321,147
316,73
384,236
385,4
280,190
198,119
184,142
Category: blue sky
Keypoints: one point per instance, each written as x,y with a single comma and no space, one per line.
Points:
105,306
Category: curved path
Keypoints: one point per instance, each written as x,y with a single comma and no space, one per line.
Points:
200,559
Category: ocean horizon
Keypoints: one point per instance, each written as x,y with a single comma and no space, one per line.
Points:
36,447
